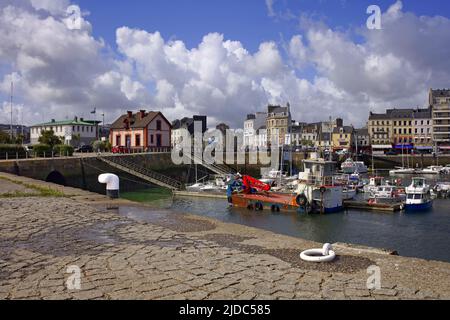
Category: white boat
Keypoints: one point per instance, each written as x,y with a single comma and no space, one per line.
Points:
431,170
401,170
442,186
388,193
374,183
349,166
418,196
348,193
317,191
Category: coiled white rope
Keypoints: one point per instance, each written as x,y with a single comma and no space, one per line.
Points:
326,254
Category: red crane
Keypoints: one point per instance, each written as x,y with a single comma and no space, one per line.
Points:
252,183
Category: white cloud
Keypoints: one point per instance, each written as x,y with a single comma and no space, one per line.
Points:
63,72
270,8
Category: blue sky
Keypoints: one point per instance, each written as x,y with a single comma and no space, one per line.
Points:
246,21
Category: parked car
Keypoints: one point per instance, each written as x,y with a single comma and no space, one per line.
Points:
391,153
85,149
120,149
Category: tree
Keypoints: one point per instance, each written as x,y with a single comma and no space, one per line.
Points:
76,138
48,137
4,138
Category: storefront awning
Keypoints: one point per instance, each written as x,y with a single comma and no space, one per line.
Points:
423,148
382,146
404,146
445,148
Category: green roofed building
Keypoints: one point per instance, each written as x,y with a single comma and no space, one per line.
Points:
75,132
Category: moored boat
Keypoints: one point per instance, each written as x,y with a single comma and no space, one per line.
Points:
317,190
418,196
349,167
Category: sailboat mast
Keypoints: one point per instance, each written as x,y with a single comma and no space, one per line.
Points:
11,123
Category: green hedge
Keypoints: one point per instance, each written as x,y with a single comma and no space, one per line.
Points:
63,150
12,151
40,150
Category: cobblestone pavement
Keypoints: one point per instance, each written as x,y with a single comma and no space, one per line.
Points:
134,252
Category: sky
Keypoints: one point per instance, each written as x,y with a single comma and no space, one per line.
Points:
220,58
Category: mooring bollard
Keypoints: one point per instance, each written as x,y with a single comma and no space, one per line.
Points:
112,184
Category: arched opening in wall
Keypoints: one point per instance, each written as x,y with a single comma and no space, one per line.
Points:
56,177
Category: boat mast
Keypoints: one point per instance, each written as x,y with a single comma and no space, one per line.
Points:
11,123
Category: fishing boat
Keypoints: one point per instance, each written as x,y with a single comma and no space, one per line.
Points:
348,193
374,183
349,167
317,190
418,196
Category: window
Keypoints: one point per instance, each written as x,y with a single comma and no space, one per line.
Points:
92,129
151,139
78,128
82,128
118,140
73,128
138,140
158,125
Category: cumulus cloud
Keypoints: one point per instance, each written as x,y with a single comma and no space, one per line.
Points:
59,71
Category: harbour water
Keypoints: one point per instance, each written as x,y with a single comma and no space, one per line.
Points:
423,235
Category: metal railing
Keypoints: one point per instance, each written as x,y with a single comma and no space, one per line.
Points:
142,172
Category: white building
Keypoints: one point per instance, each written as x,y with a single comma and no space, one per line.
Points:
261,137
253,123
423,129
74,132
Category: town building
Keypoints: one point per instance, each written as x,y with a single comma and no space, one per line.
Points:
362,140
342,138
261,137
402,128
143,131
440,103
423,130
180,126
278,124
310,134
76,132
380,130
296,135
251,125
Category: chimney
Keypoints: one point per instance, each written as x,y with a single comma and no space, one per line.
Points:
142,113
130,114
53,121
81,119
76,119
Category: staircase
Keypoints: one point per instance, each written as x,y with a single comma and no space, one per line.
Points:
142,172
219,169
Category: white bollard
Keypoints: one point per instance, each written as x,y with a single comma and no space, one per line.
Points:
112,184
